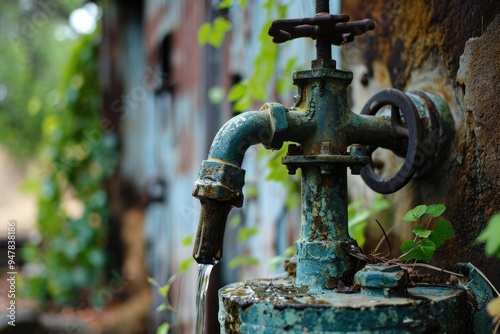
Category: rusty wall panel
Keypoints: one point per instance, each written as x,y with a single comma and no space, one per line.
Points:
435,45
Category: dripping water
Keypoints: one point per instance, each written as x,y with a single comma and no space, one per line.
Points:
203,278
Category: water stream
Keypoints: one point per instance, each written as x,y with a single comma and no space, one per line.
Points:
204,271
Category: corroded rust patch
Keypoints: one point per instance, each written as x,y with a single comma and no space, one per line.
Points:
407,31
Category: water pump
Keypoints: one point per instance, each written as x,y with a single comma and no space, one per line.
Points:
325,139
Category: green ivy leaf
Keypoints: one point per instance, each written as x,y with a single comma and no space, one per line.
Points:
225,4
380,203
421,231
162,290
219,29
422,252
442,232
408,245
237,91
204,33
490,236
235,221
165,307
152,281
252,192
243,104
185,265
187,240
257,89
435,210
163,328
239,261
415,213
246,232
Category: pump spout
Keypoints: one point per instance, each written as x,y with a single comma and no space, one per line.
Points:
210,235
221,178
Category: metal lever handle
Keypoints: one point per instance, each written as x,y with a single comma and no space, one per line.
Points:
400,104
333,28
325,28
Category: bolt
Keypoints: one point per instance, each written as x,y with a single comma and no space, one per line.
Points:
294,149
356,151
292,170
356,169
326,148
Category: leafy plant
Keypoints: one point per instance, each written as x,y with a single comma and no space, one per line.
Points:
30,70
357,216
252,88
76,158
491,236
426,240
163,291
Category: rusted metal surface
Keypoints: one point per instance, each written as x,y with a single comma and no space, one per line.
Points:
325,28
280,306
400,103
446,47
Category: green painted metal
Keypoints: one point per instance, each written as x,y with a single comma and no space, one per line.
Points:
382,280
480,292
323,127
279,306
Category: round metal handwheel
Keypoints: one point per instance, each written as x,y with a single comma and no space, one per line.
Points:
400,104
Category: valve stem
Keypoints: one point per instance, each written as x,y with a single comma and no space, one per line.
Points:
323,46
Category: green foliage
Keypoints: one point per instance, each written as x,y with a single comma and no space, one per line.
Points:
186,264
357,216
424,250
244,233
491,236
29,71
76,157
163,291
228,3
214,33
415,213
239,261
253,88
278,260
426,240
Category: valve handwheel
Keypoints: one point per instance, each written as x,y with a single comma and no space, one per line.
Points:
400,104
325,28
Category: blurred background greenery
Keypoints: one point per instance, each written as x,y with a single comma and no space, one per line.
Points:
50,126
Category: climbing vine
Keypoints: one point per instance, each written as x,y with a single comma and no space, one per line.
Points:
252,88
76,158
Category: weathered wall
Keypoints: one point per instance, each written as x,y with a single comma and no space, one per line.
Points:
452,48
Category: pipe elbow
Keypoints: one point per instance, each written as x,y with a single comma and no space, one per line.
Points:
221,177
266,126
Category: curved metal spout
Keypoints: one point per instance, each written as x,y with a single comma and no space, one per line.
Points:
221,178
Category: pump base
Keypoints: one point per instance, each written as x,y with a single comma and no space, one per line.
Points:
277,306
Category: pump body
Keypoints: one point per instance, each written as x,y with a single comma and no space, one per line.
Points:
329,294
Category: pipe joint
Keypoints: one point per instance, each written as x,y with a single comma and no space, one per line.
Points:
279,124
220,181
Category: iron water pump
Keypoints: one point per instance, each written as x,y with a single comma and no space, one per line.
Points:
326,138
